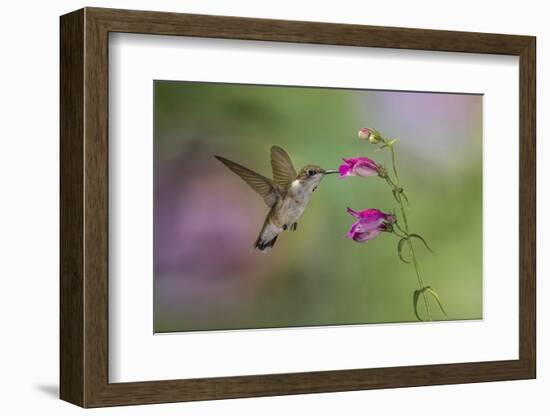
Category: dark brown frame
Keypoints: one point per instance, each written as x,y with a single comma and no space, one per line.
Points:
84,207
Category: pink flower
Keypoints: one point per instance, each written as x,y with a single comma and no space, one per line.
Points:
358,166
370,223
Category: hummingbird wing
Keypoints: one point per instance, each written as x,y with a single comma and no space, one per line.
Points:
283,169
264,186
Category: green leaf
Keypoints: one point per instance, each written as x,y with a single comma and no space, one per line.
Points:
432,292
436,296
421,239
400,250
416,295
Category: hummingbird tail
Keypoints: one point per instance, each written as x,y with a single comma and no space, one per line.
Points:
264,246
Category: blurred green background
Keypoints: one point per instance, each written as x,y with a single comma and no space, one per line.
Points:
207,218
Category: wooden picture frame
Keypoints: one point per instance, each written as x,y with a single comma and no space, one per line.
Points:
84,207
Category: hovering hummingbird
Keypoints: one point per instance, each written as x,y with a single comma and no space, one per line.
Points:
287,194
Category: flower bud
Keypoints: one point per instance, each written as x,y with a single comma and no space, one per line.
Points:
374,138
364,133
369,134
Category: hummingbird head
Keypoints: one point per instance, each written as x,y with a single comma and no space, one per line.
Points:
311,175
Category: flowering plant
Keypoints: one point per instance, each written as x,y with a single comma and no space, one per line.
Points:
372,222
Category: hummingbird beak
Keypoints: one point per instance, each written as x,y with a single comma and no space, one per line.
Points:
328,172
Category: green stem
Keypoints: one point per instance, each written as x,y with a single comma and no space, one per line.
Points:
394,164
406,226
420,282
405,222
399,234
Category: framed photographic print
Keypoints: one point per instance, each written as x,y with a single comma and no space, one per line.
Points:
255,207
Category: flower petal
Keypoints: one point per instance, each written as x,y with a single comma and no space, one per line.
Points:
353,213
365,169
355,160
345,170
355,228
364,236
371,214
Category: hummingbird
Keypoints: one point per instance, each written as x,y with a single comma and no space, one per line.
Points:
287,194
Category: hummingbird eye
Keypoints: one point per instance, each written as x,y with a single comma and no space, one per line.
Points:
311,172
